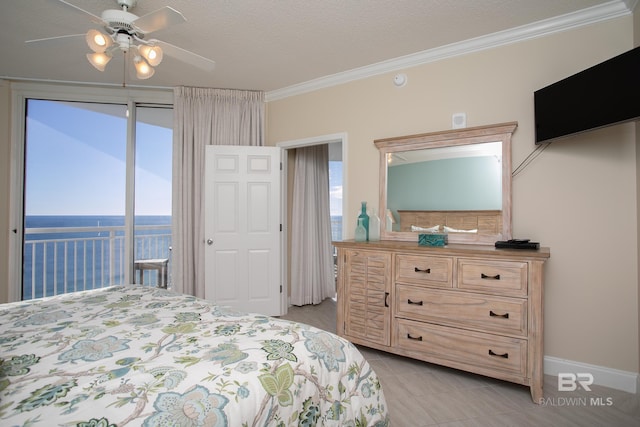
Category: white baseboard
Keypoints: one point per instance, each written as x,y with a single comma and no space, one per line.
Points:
608,377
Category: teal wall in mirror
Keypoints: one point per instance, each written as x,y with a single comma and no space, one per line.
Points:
468,183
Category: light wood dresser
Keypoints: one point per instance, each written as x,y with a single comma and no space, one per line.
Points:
469,307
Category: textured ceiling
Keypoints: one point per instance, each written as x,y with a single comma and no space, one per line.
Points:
265,44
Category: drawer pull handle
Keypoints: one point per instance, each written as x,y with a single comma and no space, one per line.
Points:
503,355
417,270
504,316
414,302
484,276
416,338
386,299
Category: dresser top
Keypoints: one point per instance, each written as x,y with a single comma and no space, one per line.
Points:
448,250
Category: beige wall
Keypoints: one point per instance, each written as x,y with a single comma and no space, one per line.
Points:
579,197
5,138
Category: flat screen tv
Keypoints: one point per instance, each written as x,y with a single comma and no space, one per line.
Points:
603,95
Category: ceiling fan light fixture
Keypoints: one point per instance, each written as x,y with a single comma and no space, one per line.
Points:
97,41
143,69
153,54
99,59
123,31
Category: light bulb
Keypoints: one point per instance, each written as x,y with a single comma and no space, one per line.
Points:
143,69
97,41
153,54
99,60
100,40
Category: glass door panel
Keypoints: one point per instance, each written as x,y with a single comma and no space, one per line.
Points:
152,221
74,196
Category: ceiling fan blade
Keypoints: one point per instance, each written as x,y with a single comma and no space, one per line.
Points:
186,56
71,7
158,20
51,41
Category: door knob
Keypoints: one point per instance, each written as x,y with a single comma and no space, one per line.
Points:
209,242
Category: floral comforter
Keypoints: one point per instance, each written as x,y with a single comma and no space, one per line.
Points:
132,355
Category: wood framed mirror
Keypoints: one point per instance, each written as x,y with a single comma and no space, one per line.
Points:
456,181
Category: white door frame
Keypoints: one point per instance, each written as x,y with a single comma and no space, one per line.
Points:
293,144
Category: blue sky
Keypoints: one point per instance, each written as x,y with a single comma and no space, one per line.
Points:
75,161
335,189
74,169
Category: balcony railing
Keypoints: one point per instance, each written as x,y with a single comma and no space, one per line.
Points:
68,259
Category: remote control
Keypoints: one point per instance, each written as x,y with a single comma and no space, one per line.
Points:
517,244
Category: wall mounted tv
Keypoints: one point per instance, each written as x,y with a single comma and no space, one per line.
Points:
603,95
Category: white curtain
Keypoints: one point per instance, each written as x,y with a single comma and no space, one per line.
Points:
201,117
312,271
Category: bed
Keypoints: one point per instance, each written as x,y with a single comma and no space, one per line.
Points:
140,356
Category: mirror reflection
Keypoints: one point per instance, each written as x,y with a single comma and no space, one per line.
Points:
455,181
467,177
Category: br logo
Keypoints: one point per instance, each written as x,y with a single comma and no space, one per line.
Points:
570,382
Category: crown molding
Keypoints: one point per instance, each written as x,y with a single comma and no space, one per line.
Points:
603,12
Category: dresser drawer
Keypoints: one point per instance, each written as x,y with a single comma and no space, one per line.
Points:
493,314
425,270
502,277
478,352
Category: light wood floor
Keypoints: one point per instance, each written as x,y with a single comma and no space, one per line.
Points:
421,394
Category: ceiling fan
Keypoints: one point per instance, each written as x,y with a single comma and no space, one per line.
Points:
124,31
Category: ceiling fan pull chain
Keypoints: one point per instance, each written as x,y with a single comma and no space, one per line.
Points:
124,70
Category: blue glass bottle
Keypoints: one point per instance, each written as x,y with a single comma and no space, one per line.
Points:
365,218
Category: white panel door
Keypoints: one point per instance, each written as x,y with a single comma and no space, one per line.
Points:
242,228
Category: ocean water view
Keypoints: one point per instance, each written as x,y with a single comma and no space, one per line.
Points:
336,227
69,253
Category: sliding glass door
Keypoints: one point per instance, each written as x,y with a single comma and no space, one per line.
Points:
94,186
152,248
